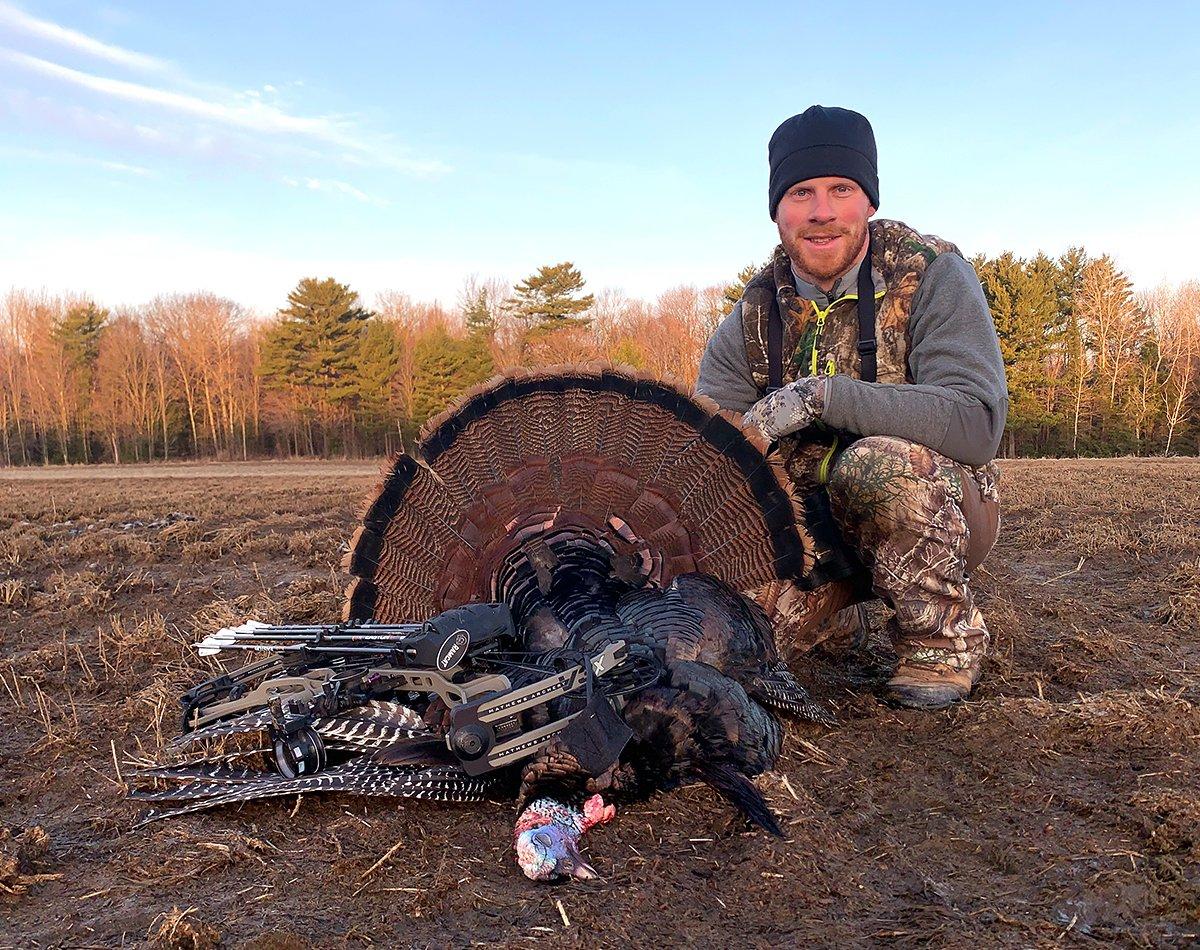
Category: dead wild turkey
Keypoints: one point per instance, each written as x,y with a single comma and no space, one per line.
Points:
600,505
603,505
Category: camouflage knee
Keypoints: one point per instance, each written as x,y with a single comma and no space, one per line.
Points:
900,506
885,490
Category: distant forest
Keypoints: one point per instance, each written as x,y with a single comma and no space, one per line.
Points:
1094,368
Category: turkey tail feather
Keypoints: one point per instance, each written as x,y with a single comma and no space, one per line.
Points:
642,464
781,690
738,790
436,783
426,752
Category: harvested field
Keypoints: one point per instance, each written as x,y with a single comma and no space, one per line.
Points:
1060,806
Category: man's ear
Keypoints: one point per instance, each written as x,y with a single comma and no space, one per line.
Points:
871,211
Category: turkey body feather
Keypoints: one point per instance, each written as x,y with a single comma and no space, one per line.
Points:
601,505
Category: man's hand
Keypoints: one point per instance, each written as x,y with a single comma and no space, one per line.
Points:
789,409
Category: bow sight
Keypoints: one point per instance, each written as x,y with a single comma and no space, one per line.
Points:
468,657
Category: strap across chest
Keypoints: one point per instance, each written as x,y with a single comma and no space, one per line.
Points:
867,346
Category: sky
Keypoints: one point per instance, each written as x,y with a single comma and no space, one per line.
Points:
151,148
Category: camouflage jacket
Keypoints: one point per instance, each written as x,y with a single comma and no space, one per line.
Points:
825,342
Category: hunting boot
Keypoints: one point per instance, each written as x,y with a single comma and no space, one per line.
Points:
904,508
939,667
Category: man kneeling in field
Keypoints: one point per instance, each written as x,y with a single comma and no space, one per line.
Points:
882,336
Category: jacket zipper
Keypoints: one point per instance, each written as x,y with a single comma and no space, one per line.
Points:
830,370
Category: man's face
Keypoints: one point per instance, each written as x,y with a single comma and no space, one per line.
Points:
823,226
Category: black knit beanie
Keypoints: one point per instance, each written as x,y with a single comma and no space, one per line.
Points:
823,141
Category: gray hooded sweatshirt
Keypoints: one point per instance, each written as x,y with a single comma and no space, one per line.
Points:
958,401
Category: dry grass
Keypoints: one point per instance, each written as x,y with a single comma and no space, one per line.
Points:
182,930
20,854
1183,600
13,592
22,547
1058,806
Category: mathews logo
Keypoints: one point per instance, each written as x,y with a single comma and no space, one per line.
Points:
453,650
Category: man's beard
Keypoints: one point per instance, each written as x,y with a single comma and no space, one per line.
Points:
824,267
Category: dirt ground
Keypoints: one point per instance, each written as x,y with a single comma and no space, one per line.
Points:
1060,806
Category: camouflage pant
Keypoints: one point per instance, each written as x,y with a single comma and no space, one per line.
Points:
918,522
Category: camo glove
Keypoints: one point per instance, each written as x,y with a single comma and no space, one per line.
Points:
789,409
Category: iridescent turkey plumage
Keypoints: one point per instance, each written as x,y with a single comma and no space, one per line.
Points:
604,505
600,505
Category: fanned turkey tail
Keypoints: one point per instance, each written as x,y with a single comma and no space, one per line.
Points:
613,458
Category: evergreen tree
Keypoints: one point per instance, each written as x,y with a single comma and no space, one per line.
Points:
1076,370
477,310
78,332
551,297
445,367
1068,275
379,355
1118,328
629,353
315,342
312,350
734,291
1021,297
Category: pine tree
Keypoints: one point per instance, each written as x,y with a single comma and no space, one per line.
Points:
1119,329
478,315
551,297
1069,273
379,403
734,291
445,367
1021,297
315,341
1076,369
78,332
312,349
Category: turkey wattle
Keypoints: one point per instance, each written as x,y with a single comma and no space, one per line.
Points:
602,505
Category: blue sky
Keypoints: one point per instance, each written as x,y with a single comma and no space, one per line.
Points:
156,147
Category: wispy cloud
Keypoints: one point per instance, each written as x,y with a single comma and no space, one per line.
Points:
71,158
15,20
255,115
250,114
332,186
126,168
170,115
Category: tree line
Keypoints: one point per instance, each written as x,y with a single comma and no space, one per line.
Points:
1094,367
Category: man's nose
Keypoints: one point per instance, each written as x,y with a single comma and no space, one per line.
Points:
821,209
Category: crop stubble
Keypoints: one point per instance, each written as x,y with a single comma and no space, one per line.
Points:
1061,804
